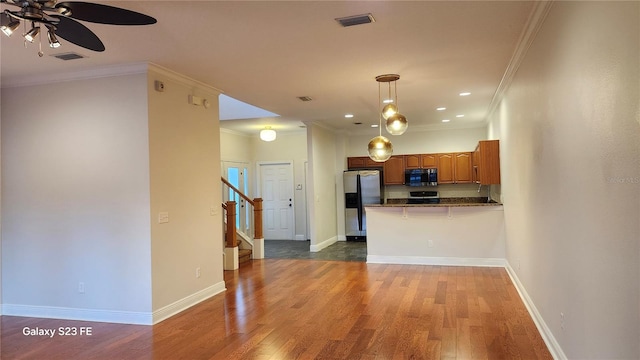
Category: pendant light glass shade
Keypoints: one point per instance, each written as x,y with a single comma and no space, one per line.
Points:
380,149
389,110
397,124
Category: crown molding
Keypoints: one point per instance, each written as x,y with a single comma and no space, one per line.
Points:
95,73
183,79
106,71
530,31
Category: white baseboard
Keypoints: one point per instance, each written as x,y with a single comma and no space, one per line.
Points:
342,237
545,332
52,312
301,237
443,261
187,302
324,244
111,316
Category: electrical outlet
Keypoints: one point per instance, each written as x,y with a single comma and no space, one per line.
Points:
562,321
213,211
518,264
430,243
198,272
81,287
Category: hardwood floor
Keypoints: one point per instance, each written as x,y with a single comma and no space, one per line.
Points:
310,309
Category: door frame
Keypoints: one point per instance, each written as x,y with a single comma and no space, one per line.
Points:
258,188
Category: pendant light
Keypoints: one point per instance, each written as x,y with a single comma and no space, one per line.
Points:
396,122
380,148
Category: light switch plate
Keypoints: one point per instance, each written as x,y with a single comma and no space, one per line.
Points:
163,217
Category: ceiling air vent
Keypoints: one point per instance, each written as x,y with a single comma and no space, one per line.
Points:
304,98
68,56
355,20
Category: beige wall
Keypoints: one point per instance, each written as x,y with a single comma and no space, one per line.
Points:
421,142
570,148
75,199
324,170
184,156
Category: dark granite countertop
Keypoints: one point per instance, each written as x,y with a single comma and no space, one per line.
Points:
444,202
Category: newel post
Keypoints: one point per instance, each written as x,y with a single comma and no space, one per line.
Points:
232,240
257,217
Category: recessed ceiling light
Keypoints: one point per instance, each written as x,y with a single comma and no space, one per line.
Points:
459,116
387,101
446,120
374,125
441,108
465,93
348,115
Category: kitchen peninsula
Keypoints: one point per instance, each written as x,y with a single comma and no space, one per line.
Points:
457,233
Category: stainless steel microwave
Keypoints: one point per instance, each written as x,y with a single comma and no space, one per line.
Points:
421,177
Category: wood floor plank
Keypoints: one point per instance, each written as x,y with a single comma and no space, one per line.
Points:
310,309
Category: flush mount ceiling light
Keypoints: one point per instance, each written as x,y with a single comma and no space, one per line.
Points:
267,134
396,122
58,19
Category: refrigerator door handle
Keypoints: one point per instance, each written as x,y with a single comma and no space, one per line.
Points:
359,192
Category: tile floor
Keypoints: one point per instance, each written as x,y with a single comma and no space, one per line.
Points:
294,249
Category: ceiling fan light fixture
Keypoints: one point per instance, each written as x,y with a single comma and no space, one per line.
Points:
31,35
10,27
53,40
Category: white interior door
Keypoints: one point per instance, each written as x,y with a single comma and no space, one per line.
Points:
277,196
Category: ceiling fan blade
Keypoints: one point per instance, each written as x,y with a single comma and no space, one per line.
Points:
105,14
75,32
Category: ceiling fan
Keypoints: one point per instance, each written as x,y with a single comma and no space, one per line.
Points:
58,20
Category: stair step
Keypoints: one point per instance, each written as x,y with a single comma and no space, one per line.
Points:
244,255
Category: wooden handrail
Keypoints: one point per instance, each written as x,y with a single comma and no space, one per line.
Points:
237,191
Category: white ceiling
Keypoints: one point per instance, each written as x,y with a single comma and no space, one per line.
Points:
267,53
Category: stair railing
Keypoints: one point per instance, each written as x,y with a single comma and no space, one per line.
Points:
251,233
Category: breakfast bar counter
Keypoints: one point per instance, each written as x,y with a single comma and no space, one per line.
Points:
462,233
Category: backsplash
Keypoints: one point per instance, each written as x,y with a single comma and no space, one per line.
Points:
444,190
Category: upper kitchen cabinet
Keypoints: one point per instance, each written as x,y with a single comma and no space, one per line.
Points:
362,162
455,168
429,160
486,162
412,161
394,170
420,161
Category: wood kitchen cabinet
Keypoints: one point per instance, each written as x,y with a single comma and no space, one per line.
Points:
486,162
412,161
429,160
361,162
420,161
394,170
455,168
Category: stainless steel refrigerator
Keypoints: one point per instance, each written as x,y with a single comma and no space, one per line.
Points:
361,187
